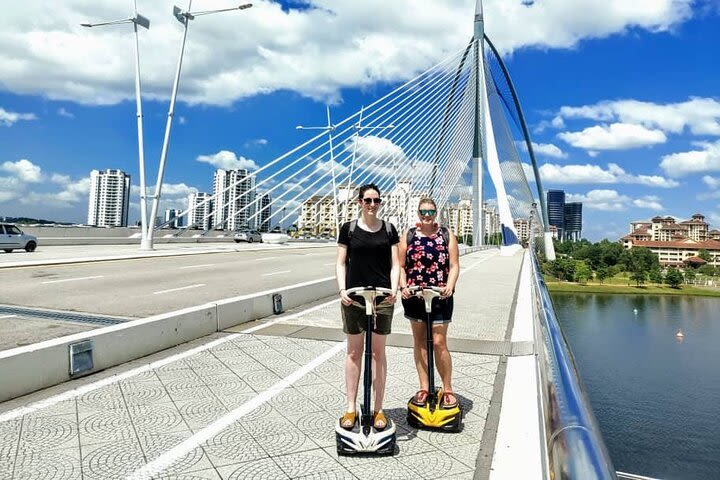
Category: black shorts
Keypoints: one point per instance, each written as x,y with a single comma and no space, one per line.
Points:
355,319
442,309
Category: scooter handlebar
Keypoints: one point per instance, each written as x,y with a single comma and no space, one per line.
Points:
428,293
369,294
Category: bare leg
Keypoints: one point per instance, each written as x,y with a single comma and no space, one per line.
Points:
379,368
420,352
442,355
353,365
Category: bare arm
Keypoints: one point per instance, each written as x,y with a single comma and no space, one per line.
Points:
394,273
454,254
341,273
402,252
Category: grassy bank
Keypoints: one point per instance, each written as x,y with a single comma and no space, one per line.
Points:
649,289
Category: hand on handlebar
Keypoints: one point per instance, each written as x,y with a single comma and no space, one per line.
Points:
446,292
345,298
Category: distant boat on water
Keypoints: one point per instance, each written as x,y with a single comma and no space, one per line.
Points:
679,334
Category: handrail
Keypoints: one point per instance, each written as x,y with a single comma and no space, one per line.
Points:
573,443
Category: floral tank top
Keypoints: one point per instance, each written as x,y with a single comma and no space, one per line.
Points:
426,260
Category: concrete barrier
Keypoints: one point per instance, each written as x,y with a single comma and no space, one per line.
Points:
33,367
30,368
234,311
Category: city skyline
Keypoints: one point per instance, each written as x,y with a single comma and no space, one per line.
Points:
616,126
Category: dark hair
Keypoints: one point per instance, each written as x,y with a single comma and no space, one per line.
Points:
427,200
366,187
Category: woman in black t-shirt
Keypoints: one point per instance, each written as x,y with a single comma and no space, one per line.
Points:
367,256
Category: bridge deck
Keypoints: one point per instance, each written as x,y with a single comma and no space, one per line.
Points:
262,401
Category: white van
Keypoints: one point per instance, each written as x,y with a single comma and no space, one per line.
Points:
11,238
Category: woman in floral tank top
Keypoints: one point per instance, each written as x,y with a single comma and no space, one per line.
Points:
430,258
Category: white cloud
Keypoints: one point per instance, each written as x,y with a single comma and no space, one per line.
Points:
257,142
24,170
64,113
546,149
607,200
595,174
10,188
227,160
711,182
71,194
315,51
617,136
612,201
9,118
650,202
694,161
700,115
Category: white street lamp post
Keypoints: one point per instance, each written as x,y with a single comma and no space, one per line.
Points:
183,17
145,23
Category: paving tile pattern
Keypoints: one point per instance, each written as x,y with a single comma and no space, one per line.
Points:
115,430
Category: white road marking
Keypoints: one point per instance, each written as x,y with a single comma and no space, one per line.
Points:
7,316
275,273
328,264
199,266
179,288
49,402
168,458
73,279
263,258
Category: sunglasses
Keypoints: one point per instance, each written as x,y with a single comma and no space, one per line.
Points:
427,212
368,201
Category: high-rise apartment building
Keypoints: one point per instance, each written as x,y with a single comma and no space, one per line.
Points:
109,198
234,199
200,211
171,216
264,211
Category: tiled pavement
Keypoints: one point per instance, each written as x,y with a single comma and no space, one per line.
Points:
117,429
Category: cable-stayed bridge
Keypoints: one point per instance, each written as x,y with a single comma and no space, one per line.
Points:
247,383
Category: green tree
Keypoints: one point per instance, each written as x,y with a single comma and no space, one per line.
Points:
638,276
673,277
602,273
689,275
655,276
583,273
705,255
707,269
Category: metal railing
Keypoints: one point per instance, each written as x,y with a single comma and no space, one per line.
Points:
574,446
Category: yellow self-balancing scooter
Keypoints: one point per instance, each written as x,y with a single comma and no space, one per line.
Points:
364,438
432,414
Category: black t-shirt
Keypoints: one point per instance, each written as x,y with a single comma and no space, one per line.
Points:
369,255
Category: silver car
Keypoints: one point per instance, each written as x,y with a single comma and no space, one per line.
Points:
12,238
249,236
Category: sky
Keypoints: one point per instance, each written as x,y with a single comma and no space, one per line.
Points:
621,97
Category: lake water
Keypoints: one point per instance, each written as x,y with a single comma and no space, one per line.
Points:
657,399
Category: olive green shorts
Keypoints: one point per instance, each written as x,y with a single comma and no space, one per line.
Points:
354,318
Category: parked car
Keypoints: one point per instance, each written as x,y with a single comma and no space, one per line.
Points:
249,236
12,238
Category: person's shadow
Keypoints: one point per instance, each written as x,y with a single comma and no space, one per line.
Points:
406,433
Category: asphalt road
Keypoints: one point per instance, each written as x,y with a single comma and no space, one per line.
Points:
149,286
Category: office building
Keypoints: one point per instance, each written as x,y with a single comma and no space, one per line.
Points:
200,215
573,221
109,198
556,211
234,199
